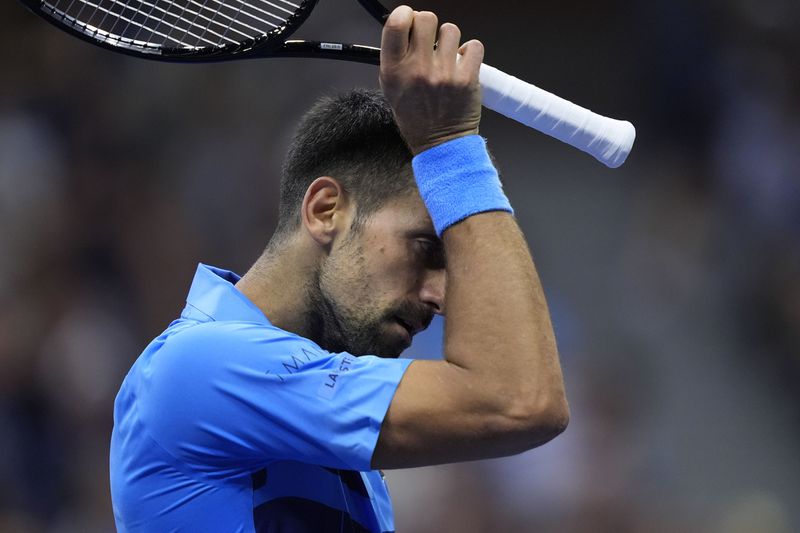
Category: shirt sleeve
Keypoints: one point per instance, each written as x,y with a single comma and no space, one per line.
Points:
226,399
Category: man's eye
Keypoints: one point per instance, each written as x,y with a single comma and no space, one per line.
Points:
431,253
425,245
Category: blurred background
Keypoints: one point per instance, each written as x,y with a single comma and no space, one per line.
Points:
674,281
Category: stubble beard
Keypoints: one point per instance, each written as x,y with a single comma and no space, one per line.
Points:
337,327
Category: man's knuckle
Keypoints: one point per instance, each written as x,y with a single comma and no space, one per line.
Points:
421,79
463,81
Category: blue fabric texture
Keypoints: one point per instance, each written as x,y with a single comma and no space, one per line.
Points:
222,399
457,179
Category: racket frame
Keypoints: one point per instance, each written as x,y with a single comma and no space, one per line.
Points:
271,44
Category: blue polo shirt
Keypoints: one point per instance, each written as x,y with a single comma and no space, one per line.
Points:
226,424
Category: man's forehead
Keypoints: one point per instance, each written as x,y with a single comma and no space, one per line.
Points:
409,214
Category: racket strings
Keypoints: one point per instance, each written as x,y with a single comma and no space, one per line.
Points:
153,25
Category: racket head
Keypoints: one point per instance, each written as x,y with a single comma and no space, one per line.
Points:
179,30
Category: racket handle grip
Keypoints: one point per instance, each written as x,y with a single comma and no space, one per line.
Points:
608,140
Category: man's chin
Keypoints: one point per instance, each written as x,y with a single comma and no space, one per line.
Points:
394,350
388,345
390,355
385,353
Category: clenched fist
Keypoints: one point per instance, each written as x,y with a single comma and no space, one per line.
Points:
432,87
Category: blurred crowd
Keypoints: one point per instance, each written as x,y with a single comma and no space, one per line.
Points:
674,281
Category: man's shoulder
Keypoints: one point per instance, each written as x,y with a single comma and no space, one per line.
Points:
232,338
192,359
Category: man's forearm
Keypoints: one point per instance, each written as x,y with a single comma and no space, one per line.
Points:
498,324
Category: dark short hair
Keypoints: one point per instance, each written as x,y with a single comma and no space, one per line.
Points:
353,138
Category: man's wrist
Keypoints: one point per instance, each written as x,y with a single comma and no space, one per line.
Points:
457,179
421,146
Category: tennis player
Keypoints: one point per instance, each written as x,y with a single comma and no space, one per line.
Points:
273,401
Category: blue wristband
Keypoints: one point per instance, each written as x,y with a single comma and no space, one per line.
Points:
456,179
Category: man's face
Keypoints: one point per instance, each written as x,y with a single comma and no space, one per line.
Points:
380,284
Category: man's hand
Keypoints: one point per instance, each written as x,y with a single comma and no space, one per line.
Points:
435,94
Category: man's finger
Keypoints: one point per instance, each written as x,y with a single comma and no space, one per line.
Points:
471,58
396,30
449,37
423,32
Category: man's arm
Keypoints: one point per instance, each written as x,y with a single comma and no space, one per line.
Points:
499,390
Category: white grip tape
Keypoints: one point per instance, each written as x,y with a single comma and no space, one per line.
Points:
606,139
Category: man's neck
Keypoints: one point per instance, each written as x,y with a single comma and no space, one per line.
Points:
278,285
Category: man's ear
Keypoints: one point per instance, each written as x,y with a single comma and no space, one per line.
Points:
326,210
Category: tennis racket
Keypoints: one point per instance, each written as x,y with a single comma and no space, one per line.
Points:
222,30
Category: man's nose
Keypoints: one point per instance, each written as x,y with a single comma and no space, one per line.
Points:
433,290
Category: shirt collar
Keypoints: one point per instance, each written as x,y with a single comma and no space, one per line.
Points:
214,295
